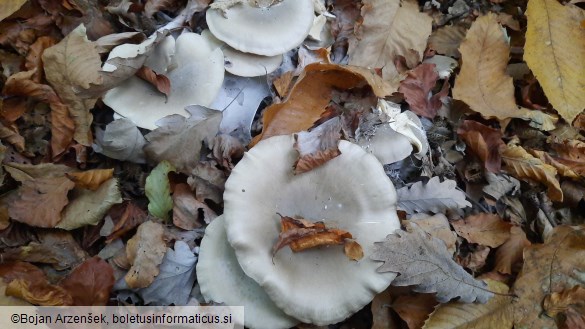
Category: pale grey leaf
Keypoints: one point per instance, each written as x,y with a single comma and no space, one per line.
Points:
500,185
121,140
434,196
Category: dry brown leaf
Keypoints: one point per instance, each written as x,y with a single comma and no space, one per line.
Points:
417,87
484,229
390,28
485,141
381,316
90,283
145,251
159,81
62,129
510,252
571,153
226,150
186,209
436,225
71,66
573,193
353,250
9,7
91,179
446,40
34,57
555,53
551,267
153,6
562,169
318,146
312,93
476,259
28,282
567,307
126,217
522,165
414,309
509,21
40,201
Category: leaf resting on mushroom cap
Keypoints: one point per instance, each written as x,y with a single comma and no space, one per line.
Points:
434,196
424,262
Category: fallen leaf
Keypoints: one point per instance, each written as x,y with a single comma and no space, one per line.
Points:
567,307
208,182
446,40
226,150
90,179
482,82
158,190
496,313
381,316
434,196
8,300
474,260
500,185
424,262
390,28
9,7
178,139
510,252
485,141
573,193
153,6
417,90
524,166
145,251
414,309
561,168
34,57
555,53
571,153
353,250
40,201
90,283
312,93
436,225
126,217
485,229
159,81
121,140
550,267
318,146
177,271
88,207
186,209
73,65
23,172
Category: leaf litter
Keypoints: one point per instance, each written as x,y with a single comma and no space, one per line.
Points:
479,131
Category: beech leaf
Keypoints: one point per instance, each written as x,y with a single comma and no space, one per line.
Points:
417,87
9,7
423,261
90,179
446,40
510,253
484,229
90,283
158,190
434,196
484,141
145,251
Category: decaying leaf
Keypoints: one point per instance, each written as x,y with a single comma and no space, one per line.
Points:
158,190
390,28
510,252
417,87
522,165
317,146
90,179
567,307
145,251
186,209
555,53
424,262
496,313
40,201
554,266
301,234
434,196
484,229
484,141
90,283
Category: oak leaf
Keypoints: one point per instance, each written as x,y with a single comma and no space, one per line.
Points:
417,90
522,165
390,28
145,251
40,201
423,261
485,141
90,179
90,283
484,229
510,252
434,196
555,53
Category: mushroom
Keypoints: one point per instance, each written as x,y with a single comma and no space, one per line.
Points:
196,73
222,280
350,192
267,28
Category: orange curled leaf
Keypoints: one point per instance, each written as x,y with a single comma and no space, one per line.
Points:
353,250
91,179
159,81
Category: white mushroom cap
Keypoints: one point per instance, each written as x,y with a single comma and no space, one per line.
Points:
350,192
222,280
196,74
386,144
266,31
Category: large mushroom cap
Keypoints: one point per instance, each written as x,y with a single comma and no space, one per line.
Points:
222,280
350,192
268,31
196,75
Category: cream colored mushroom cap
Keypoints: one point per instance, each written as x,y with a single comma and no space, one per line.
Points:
196,74
350,192
249,65
266,31
222,280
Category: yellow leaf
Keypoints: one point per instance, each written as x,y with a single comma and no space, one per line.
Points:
496,313
524,166
555,52
9,7
483,83
91,179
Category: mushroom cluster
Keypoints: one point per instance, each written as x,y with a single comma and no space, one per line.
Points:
257,33
321,285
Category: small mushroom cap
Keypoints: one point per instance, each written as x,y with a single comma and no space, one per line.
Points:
350,192
249,65
266,31
196,75
222,280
